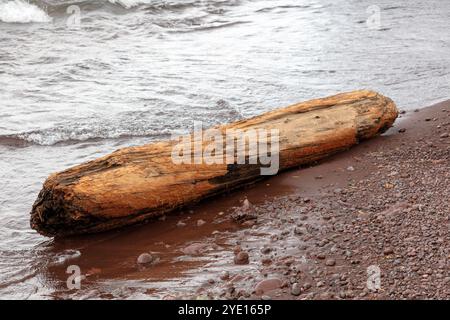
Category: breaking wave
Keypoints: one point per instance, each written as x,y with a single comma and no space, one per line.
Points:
127,4
53,137
59,135
44,11
20,11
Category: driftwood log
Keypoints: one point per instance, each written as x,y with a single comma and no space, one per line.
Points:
136,184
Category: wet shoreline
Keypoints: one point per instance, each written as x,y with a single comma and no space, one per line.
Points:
300,234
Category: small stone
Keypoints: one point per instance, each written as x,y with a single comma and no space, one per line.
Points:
246,205
245,212
200,222
266,298
350,168
444,135
388,251
241,258
225,275
330,262
320,256
267,285
296,289
266,250
402,130
145,258
194,249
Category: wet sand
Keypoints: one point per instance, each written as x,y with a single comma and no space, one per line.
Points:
383,204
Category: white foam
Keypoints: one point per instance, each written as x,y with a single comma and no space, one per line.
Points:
127,4
20,11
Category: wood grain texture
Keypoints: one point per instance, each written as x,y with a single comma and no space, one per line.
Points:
135,184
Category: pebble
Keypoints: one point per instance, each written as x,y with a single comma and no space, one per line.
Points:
296,289
241,258
266,250
225,275
330,262
444,135
388,251
245,212
350,168
402,130
145,258
194,249
246,205
267,285
320,256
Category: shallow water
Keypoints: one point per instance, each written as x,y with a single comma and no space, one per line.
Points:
79,79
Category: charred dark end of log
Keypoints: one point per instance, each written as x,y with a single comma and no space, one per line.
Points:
52,216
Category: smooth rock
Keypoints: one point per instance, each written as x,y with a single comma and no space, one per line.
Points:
145,258
194,249
330,262
296,289
267,285
225,275
241,258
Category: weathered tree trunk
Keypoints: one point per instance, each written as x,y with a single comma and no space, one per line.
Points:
135,184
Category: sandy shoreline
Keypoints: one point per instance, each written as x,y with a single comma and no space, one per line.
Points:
383,203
